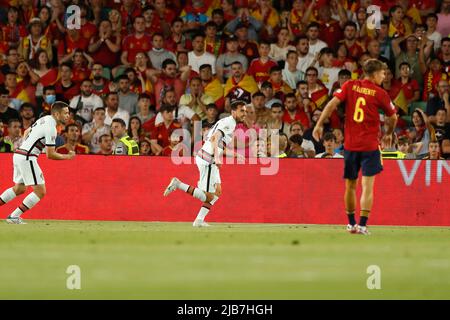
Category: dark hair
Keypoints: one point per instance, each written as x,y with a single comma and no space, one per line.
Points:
290,95
312,69
291,52
258,94
329,136
3,90
123,77
26,105
58,106
218,11
350,24
236,104
144,96
120,121
166,108
70,125
210,24
10,121
211,106
198,34
313,25
178,19
300,82
110,93
157,34
296,138
432,15
102,136
204,66
275,69
47,88
344,72
129,125
276,105
404,63
237,62
445,40
66,64
393,9
168,62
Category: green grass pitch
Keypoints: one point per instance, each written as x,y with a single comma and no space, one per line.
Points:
137,260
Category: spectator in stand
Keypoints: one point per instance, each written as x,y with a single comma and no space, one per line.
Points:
227,11
246,47
170,77
86,102
443,25
100,85
276,125
52,26
399,26
405,86
158,54
113,111
5,146
434,152
315,44
262,113
145,148
144,113
14,133
431,33
280,87
245,20
12,30
26,84
175,148
213,43
440,101
279,50
106,145
161,133
339,135
212,115
197,100
72,41
198,55
260,67
44,107
135,130
269,17
134,43
420,134
195,14
35,40
72,137
307,147
239,86
212,86
177,40
94,130
328,74
12,61
291,75
27,115
305,58
127,98
433,73
6,113
104,47
329,143
293,112
46,74
183,114
123,144
354,47
442,131
226,60
118,29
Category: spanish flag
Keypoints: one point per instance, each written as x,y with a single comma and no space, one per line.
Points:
414,14
320,98
247,83
401,102
50,77
214,89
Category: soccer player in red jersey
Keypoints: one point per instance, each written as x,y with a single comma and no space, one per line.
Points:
362,100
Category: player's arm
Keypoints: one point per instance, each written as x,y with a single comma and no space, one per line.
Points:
331,106
53,155
215,139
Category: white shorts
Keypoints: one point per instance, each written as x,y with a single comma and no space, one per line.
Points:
27,172
209,176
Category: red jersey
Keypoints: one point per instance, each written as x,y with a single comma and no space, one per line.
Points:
133,46
13,33
167,151
79,149
67,45
67,93
259,70
408,88
250,50
162,134
331,32
362,121
105,56
300,115
88,30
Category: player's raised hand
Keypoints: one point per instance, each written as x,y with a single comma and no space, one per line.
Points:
318,132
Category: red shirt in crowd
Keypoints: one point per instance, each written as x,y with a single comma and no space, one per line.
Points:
259,70
362,100
133,46
67,92
162,134
408,88
300,115
79,149
67,45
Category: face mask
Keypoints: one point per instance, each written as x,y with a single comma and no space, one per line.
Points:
50,99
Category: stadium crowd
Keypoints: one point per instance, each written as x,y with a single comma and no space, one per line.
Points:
147,68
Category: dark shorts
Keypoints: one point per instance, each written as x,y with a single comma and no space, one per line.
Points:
368,161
